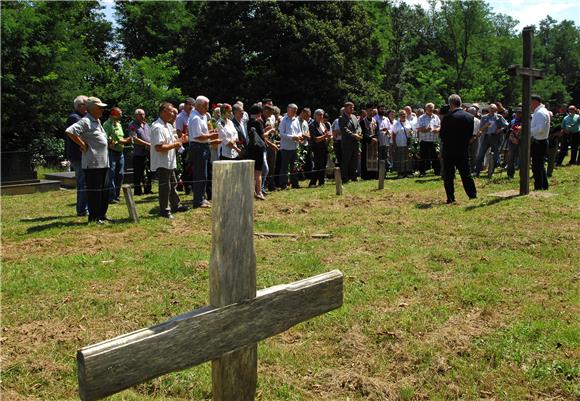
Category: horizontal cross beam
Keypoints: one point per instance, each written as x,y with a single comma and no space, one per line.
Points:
515,70
202,335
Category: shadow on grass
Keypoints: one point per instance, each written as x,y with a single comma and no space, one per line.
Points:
427,180
45,218
55,224
146,199
490,202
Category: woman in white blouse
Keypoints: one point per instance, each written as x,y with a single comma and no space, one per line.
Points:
402,130
228,134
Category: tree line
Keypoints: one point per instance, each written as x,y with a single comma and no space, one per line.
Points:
316,54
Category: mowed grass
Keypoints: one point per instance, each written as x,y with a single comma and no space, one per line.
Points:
477,300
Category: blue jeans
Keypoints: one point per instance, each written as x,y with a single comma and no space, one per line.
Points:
116,174
82,206
200,159
488,141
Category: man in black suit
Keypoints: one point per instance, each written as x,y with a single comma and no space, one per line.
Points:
456,131
351,133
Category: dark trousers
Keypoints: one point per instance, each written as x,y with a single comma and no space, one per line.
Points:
97,181
116,173
571,140
429,158
186,173
200,159
349,160
538,150
461,162
513,154
552,155
141,175
167,193
81,184
288,163
271,159
308,162
337,145
320,160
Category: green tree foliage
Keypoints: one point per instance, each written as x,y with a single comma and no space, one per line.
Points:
149,28
143,83
315,54
51,52
311,53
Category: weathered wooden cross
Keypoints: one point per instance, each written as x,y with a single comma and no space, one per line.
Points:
527,73
226,332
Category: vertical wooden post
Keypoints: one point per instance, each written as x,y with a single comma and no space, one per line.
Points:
338,180
526,122
130,203
382,167
232,268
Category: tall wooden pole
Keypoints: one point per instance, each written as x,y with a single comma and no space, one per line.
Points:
526,121
233,271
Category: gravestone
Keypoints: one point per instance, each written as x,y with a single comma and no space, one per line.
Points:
19,177
226,331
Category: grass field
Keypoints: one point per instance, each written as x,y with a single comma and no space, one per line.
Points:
477,300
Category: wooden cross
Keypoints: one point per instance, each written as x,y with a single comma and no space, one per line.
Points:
527,73
226,332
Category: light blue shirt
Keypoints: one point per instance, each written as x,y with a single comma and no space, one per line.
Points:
571,123
497,122
197,125
289,128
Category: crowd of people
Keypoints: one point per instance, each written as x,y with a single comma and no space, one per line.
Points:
300,144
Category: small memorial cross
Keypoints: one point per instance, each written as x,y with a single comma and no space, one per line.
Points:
527,73
226,332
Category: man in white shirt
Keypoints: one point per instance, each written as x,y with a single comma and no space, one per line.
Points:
539,130
411,117
428,126
181,126
164,143
199,139
290,135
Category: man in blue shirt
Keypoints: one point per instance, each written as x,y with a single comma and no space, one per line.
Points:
491,126
570,137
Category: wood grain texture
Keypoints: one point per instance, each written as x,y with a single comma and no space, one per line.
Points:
130,203
232,271
202,335
525,137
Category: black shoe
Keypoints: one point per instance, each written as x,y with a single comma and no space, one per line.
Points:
450,201
473,197
100,222
180,208
106,219
113,201
167,216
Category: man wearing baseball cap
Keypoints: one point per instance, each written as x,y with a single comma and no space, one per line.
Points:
89,134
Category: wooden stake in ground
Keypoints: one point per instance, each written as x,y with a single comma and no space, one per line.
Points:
130,203
527,73
338,180
382,167
225,332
